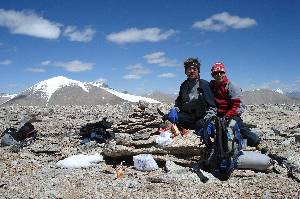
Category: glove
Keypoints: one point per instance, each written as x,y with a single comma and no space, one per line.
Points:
172,116
210,129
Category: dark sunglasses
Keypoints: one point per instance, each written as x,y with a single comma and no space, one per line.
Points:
218,72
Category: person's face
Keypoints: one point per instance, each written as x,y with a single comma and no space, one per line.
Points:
219,76
192,72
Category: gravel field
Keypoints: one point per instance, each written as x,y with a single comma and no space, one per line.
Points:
32,173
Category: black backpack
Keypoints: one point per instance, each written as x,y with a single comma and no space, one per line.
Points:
26,131
96,131
224,150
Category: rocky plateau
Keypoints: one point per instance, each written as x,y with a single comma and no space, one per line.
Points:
31,172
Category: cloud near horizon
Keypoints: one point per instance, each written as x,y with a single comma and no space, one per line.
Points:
36,70
74,66
134,35
5,62
71,66
221,22
74,34
160,59
166,75
28,23
136,71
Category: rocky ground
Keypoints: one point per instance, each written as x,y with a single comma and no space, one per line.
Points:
32,173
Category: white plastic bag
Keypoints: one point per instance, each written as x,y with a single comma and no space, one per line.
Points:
78,161
164,138
144,162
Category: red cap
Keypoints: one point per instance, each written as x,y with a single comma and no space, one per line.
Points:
218,67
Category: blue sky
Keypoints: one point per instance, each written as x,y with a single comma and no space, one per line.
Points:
139,46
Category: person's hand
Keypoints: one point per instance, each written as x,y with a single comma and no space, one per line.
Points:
172,116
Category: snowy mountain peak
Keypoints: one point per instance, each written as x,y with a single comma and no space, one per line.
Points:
49,86
278,90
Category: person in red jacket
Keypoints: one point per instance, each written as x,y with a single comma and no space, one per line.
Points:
228,101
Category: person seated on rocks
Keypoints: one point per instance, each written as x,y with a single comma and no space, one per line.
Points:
194,106
229,103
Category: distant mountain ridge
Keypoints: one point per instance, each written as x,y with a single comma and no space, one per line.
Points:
265,96
63,91
294,95
161,96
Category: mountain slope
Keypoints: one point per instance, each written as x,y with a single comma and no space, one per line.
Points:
63,91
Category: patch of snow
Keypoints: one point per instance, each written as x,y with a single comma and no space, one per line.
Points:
49,86
78,161
9,96
97,84
130,97
278,90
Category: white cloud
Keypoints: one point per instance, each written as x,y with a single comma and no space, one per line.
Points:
73,34
222,21
131,76
160,59
136,71
134,35
167,75
74,66
29,23
45,63
155,58
36,70
298,80
5,62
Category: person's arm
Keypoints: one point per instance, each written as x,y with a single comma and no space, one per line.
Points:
210,100
178,101
237,106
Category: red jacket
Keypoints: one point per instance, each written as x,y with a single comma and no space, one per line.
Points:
227,98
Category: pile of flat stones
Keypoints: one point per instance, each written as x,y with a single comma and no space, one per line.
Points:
138,133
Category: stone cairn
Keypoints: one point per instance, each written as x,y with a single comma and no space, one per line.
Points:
137,135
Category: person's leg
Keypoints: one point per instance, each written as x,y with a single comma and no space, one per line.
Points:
252,139
186,121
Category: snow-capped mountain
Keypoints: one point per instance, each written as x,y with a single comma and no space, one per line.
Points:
63,91
265,96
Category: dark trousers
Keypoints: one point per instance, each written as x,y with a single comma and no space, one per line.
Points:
188,121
